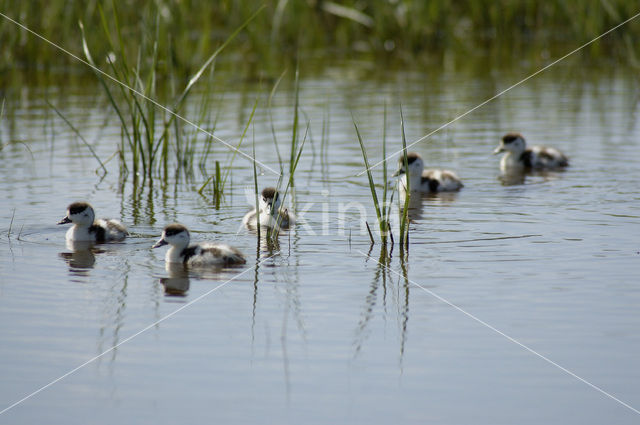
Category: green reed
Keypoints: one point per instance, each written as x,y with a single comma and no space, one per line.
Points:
402,29
146,137
255,187
404,211
297,153
381,209
296,148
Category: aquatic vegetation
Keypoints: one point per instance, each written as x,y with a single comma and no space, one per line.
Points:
145,136
403,29
218,181
404,211
296,147
382,209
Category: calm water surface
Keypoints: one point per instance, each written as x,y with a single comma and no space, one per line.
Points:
319,331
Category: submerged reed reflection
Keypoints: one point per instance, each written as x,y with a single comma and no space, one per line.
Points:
383,277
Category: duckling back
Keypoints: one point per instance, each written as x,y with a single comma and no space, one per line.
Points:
212,254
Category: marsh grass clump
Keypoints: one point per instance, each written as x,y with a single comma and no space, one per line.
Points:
281,217
404,210
405,30
147,141
383,209
297,149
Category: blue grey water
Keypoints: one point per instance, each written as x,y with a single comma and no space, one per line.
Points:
500,281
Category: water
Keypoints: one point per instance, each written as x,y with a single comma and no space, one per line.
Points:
319,332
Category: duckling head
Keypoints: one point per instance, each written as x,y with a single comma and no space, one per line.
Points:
175,235
79,213
269,200
415,162
511,142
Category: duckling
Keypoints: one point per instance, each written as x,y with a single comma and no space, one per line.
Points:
199,254
425,181
269,206
519,158
87,229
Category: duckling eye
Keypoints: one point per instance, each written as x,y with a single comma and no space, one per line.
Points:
264,199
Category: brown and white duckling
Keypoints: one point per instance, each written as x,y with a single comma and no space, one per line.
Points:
200,254
271,213
425,181
87,229
519,158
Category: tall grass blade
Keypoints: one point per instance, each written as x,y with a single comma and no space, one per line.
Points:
404,219
255,185
372,186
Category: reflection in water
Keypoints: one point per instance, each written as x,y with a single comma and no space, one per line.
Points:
81,258
515,177
416,201
512,178
441,198
400,296
404,313
437,198
415,206
178,281
268,245
177,284
292,303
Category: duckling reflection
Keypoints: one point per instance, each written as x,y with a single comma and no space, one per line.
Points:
519,177
512,178
415,205
417,201
269,245
177,284
82,256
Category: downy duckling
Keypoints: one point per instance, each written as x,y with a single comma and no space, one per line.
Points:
87,229
200,254
425,181
269,206
519,158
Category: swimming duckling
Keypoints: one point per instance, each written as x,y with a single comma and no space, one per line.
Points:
87,229
519,158
425,181
199,254
269,205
